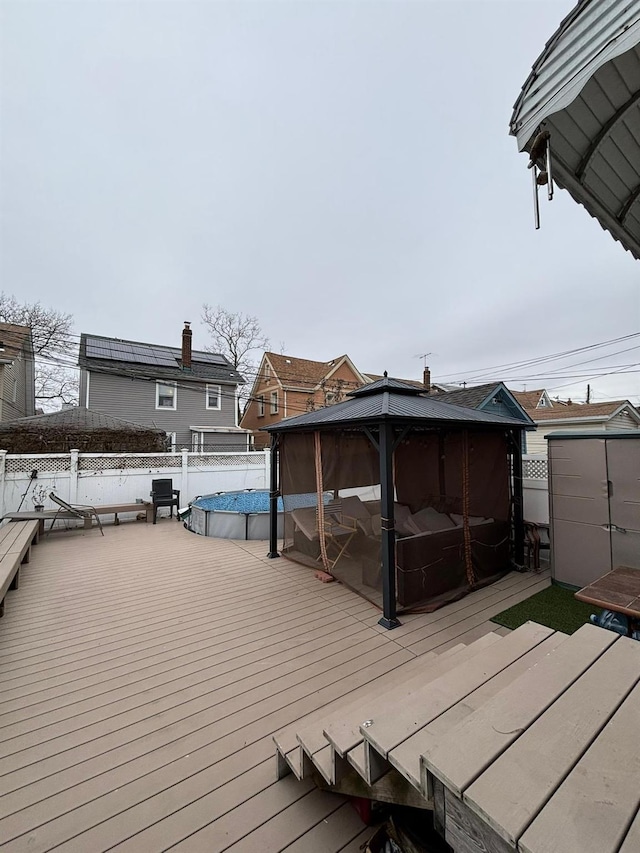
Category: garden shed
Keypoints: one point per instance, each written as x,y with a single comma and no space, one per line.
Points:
81,429
410,501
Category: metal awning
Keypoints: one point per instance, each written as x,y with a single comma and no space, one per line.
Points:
584,89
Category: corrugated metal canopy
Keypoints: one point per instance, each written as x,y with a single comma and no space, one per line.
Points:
585,90
393,400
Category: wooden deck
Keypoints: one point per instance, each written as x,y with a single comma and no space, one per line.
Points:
144,674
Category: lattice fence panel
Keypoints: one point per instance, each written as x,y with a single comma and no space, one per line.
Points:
534,469
119,463
206,460
26,464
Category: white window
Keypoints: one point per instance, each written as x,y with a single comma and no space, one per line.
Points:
261,406
214,396
196,442
274,402
267,372
166,395
171,441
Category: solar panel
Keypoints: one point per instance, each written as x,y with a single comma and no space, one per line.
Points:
130,352
210,358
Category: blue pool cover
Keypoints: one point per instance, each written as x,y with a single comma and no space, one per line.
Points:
247,502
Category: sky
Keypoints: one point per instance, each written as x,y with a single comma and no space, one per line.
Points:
342,170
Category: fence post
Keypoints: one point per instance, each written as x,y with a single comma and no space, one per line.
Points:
3,462
73,476
184,479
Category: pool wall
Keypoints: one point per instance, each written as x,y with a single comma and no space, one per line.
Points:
227,524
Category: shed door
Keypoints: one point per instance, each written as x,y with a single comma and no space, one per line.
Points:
623,457
580,502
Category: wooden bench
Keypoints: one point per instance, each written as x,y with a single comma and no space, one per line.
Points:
15,548
49,515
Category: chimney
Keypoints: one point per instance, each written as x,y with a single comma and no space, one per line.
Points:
186,346
426,380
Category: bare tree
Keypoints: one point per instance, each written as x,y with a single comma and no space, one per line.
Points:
236,336
53,345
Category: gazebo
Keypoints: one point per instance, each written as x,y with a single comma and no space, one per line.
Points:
578,115
410,501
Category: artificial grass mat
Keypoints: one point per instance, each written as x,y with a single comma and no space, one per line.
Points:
554,607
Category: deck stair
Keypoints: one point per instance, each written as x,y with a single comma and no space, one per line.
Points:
374,732
526,742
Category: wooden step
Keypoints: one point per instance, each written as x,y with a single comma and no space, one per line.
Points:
286,741
552,748
458,757
406,757
344,733
415,710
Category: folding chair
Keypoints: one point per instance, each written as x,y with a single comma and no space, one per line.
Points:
83,511
338,532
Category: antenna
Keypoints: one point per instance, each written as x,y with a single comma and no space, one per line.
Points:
424,356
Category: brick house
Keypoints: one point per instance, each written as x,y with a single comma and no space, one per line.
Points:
287,386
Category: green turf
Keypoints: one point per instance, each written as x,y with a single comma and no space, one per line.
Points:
554,607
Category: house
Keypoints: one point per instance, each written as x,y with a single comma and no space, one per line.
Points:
287,386
432,387
17,372
191,395
550,415
77,428
492,397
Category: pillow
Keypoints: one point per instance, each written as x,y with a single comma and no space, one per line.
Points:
354,508
402,516
473,519
429,520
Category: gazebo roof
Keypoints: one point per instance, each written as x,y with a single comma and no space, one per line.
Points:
393,400
584,89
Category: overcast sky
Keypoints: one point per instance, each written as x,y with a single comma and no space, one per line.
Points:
342,170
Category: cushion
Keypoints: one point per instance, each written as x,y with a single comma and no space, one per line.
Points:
429,520
354,508
402,516
473,519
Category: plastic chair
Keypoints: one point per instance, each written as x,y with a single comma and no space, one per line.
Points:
163,494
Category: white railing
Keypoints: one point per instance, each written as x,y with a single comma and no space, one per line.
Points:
108,478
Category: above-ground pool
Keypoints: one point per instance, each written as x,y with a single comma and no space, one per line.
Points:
234,515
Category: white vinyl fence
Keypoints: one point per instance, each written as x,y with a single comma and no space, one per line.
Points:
535,488
108,478
111,478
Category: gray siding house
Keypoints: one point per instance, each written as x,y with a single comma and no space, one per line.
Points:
17,372
191,395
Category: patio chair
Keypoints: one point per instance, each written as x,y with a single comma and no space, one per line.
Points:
163,494
83,511
338,530
534,543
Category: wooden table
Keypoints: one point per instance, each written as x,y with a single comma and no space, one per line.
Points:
618,590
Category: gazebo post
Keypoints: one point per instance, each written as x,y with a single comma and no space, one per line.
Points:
518,499
273,500
388,619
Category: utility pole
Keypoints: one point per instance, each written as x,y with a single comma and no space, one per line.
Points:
588,393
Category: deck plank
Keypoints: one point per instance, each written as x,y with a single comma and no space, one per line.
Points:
600,796
459,757
425,705
511,792
144,675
